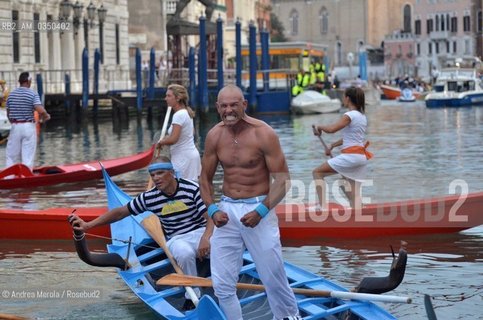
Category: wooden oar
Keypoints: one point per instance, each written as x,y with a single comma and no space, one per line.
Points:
153,226
184,280
323,142
5,316
163,133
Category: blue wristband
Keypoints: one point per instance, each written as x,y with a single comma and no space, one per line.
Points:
262,210
212,209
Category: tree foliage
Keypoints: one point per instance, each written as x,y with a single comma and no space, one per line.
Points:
277,32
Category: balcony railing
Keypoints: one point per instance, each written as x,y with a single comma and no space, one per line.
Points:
439,35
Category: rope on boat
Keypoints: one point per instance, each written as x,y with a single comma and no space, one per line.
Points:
120,240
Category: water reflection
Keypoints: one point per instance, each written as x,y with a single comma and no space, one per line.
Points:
437,265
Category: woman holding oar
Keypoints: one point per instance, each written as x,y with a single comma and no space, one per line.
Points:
184,154
352,161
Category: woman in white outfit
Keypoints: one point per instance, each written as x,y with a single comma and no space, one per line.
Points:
352,162
185,157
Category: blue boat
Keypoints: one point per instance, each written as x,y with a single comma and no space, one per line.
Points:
456,87
147,263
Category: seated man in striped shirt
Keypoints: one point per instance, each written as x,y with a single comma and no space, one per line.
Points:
21,105
177,202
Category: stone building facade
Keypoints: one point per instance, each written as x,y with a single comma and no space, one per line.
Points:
344,26
447,32
148,19
56,49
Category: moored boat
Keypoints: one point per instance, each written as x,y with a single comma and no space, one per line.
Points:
145,264
456,88
313,102
4,124
393,93
20,176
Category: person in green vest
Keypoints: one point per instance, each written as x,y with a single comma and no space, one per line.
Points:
320,72
313,73
306,81
298,87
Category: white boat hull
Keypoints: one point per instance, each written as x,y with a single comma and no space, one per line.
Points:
312,102
4,123
456,88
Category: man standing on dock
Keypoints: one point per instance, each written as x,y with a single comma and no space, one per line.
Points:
21,105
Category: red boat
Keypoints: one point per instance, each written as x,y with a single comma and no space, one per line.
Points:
46,224
392,93
50,175
413,217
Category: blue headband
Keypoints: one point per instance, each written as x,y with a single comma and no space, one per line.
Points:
160,166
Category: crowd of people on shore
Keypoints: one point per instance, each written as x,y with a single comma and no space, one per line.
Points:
407,81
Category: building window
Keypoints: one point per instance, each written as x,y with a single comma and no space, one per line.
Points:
407,18
429,26
101,41
171,7
467,46
436,22
339,53
86,34
417,27
466,23
454,47
418,49
430,48
118,55
447,47
294,22
447,22
36,39
15,39
436,47
324,20
454,24
442,23
480,22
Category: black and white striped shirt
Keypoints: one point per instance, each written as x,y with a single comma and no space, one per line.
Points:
21,102
179,214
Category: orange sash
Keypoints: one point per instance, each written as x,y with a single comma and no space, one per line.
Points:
359,150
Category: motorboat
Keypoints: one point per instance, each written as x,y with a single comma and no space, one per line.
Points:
313,102
456,87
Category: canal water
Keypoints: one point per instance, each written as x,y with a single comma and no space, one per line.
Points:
419,153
